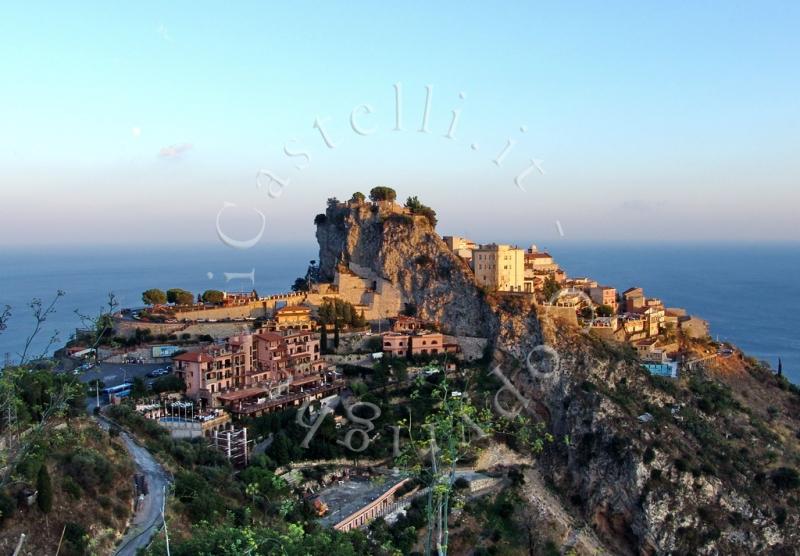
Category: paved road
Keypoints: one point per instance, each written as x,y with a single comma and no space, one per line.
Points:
116,373
147,521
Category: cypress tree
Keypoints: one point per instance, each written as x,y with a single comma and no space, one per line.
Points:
43,484
323,339
336,334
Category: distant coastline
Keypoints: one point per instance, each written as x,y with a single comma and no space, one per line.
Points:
743,290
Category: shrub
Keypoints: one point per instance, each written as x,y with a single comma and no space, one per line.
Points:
76,537
785,478
72,488
7,506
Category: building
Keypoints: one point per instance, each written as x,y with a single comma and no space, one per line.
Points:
402,323
262,360
607,328
499,267
461,246
539,266
635,326
293,317
633,299
398,344
604,295
215,368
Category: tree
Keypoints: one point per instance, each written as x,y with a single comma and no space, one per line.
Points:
323,338
213,296
358,197
336,334
179,296
550,288
300,285
416,207
382,193
44,487
154,297
604,311
320,219
360,321
138,388
169,383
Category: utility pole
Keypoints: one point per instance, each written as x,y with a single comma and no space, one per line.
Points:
164,518
19,544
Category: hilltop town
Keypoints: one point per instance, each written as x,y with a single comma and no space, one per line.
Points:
272,411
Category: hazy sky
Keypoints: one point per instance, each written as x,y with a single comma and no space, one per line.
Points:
655,121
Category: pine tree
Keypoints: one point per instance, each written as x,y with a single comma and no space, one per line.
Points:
45,488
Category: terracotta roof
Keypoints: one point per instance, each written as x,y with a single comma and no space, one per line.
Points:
305,380
293,309
194,357
242,394
270,336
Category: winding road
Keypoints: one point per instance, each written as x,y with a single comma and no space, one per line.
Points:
147,521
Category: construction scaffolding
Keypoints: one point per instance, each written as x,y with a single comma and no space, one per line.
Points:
233,443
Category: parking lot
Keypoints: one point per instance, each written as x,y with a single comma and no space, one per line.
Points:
112,374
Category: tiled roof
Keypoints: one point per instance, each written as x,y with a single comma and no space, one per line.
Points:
194,357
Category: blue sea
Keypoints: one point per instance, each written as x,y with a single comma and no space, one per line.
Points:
747,292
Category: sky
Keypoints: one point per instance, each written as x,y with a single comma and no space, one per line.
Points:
160,122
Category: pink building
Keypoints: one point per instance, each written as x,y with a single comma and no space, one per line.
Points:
604,295
247,361
396,344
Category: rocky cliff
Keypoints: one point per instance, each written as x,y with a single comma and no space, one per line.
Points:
705,464
405,250
701,465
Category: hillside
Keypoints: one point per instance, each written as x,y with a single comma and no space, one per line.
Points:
92,494
704,464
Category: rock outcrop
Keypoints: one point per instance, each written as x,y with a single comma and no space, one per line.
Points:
406,251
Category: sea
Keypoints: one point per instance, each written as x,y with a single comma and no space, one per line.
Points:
747,292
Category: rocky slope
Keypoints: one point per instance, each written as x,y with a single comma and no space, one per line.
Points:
702,465
405,250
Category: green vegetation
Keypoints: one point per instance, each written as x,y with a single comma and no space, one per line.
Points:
382,193
213,296
180,297
785,478
44,487
154,297
550,288
358,197
300,285
168,383
604,311
416,207
339,311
